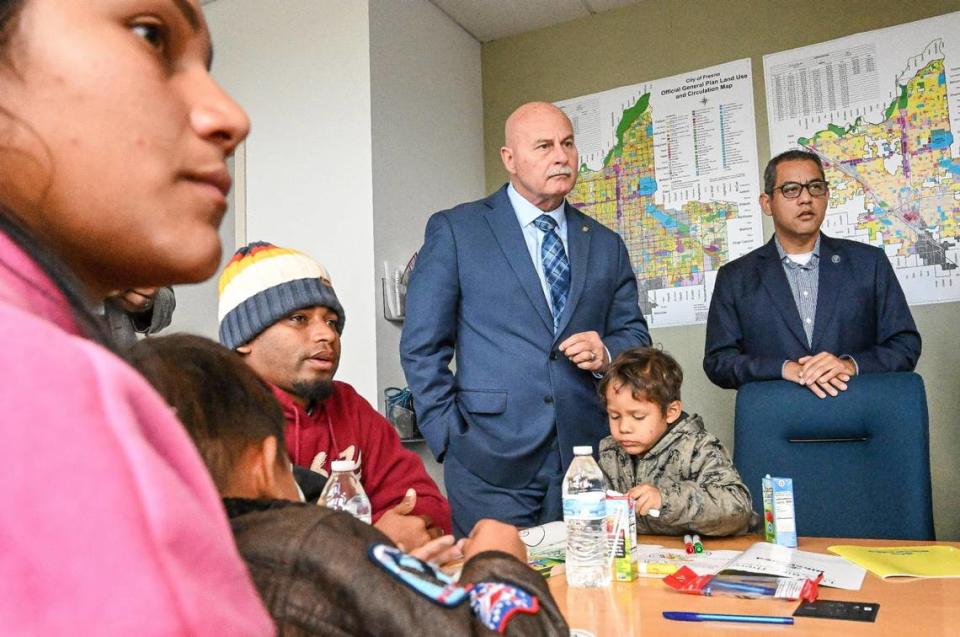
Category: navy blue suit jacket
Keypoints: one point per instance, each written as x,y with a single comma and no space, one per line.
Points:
475,292
754,325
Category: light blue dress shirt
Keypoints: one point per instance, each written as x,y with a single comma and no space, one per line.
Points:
526,213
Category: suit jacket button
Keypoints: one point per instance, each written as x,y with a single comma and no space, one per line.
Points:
548,399
553,355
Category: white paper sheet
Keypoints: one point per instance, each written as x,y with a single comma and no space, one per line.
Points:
772,559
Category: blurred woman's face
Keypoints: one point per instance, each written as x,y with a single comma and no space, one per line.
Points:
114,144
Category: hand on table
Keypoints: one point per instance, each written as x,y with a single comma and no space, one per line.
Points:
441,550
491,535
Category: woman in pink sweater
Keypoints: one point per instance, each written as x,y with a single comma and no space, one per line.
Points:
113,141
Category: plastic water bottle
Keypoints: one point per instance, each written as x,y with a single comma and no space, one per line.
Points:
584,514
343,492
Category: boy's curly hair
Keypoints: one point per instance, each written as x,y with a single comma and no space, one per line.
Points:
649,372
222,403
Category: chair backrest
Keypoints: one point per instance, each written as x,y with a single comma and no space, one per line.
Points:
860,462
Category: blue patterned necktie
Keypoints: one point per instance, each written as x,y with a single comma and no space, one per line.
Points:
556,266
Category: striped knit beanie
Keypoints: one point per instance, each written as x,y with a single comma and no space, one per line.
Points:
262,283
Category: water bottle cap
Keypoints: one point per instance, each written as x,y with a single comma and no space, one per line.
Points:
344,465
585,450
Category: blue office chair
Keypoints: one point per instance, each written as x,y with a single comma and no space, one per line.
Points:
860,462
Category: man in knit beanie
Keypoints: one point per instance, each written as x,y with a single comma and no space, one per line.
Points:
279,311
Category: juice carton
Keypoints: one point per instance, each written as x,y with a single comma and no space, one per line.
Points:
622,536
779,521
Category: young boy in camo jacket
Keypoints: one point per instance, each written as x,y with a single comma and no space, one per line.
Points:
662,457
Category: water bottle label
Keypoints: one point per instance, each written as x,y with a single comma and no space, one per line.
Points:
359,507
584,506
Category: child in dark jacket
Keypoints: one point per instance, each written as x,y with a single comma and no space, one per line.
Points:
662,457
321,571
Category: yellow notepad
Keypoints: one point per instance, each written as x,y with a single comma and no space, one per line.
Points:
904,561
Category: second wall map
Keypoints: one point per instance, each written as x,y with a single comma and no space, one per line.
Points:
882,109
671,165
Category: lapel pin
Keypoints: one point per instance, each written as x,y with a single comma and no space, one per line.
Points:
585,228
835,258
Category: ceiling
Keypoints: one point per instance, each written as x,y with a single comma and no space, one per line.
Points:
488,20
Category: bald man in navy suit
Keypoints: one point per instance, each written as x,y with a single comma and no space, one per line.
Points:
806,307
534,298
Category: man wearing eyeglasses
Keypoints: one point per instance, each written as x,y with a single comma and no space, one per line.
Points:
806,307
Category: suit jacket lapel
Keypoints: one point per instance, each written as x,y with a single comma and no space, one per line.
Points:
775,282
578,243
829,281
509,235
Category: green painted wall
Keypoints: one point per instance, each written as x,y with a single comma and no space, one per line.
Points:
660,38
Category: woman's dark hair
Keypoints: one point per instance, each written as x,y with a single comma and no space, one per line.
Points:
91,325
11,225
9,11
649,372
223,404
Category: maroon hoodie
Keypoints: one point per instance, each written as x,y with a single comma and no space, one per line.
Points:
345,426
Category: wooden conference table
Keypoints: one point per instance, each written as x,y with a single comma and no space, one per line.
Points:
912,607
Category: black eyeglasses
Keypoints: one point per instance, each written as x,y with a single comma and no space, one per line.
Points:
792,190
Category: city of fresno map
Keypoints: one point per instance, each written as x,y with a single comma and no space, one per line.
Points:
671,165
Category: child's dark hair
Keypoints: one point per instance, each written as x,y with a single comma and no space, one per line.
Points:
649,372
223,404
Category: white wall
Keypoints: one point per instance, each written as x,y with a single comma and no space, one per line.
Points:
427,108
366,118
301,68
427,135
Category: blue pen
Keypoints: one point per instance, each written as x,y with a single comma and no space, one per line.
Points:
717,617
